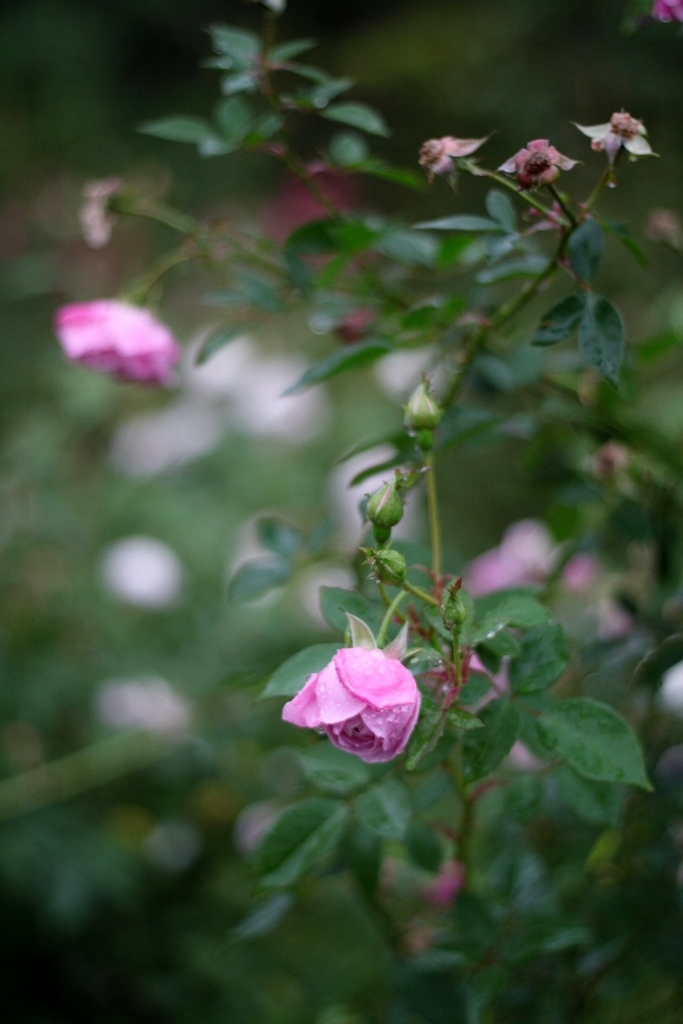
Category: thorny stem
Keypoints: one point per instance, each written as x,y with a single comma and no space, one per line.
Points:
422,594
434,526
563,206
388,616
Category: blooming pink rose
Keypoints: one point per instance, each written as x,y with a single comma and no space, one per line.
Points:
668,10
366,702
538,164
117,338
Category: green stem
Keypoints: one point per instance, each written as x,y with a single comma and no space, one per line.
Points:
505,313
481,172
78,772
563,206
422,594
434,526
140,291
388,616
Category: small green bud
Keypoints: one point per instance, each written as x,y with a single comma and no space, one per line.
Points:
384,507
453,610
388,566
425,440
422,412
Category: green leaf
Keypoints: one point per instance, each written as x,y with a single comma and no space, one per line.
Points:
461,222
522,797
365,857
485,748
264,918
292,48
240,46
597,802
601,337
358,115
347,148
397,175
218,339
595,740
339,362
477,686
525,266
518,606
586,248
279,536
463,719
408,247
650,670
256,578
385,809
303,835
543,658
424,846
179,129
335,602
499,207
290,677
234,119
502,645
559,322
621,232
243,81
426,734
333,770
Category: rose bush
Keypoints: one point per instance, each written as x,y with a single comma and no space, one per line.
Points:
366,702
117,338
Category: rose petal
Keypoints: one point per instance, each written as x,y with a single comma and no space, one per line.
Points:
375,679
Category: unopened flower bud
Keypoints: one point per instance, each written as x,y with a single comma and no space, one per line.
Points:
385,508
453,610
388,566
422,412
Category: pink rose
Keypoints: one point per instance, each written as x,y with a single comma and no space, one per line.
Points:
668,10
117,338
537,164
366,702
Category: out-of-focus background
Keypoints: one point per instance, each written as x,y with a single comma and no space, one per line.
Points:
125,511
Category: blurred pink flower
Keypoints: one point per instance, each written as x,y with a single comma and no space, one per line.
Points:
296,205
447,884
620,130
437,155
115,337
668,10
538,164
526,556
366,702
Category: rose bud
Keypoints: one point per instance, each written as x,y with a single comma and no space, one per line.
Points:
388,566
422,412
384,510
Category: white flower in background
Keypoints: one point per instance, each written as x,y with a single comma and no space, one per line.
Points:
148,703
252,385
322,575
142,571
96,221
397,374
671,693
173,845
251,825
158,441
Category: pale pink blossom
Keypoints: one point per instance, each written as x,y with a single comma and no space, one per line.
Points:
447,884
437,155
525,557
620,130
117,338
366,702
538,164
668,10
95,217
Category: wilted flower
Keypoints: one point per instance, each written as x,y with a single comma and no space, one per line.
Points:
437,155
668,10
366,702
117,338
620,130
95,218
538,164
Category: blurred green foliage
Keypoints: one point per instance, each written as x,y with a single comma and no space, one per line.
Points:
135,900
